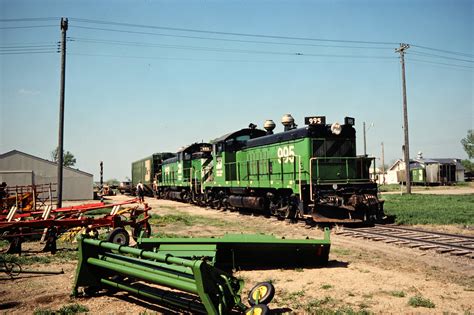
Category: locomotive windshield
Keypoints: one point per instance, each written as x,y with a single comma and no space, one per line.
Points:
334,148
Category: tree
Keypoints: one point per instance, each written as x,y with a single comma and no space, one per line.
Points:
68,157
468,143
468,165
113,182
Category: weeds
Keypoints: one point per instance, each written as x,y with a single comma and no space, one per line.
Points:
397,293
64,310
326,286
419,301
26,260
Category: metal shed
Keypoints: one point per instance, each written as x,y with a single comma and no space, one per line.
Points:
19,168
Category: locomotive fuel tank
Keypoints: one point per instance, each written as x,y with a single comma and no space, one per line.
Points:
257,203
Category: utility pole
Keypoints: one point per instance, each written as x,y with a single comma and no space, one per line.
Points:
64,25
365,143
383,166
406,151
101,188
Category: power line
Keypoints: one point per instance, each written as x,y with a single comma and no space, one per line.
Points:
24,27
444,51
439,56
215,60
30,19
29,52
227,39
28,46
201,48
441,63
229,33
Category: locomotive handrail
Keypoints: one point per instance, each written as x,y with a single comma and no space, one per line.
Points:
347,179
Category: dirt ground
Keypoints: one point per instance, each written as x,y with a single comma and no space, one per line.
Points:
362,276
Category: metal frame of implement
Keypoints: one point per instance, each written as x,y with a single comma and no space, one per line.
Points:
101,262
245,251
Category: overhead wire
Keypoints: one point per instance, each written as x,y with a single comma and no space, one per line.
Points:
443,50
227,39
24,27
28,52
437,56
227,33
30,19
441,63
306,61
201,48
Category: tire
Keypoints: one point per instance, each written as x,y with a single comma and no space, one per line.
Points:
137,230
12,269
119,236
263,292
259,309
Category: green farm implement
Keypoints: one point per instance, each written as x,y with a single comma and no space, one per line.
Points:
245,251
193,285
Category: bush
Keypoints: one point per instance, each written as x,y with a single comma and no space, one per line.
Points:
419,301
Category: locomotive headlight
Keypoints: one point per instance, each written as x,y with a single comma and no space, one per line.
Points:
336,128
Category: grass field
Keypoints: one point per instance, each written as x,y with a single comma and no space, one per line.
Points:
431,209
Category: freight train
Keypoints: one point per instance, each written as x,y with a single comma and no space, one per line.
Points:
310,172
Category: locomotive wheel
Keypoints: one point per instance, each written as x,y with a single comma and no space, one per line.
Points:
290,213
119,236
259,309
144,227
262,293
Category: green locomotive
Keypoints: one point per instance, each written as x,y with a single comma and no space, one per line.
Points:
183,175
298,173
148,171
302,171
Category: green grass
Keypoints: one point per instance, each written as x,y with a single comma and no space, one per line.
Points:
64,310
431,209
419,301
186,220
328,306
26,260
389,187
398,293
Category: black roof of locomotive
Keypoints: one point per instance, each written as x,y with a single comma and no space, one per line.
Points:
192,148
312,131
195,147
252,132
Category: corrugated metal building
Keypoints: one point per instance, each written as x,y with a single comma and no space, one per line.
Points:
19,168
428,171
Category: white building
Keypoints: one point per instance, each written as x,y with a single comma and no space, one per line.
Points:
20,169
427,171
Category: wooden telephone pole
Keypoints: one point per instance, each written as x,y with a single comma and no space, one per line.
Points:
64,25
406,151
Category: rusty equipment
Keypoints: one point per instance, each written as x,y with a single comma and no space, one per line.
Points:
26,198
193,285
51,223
14,269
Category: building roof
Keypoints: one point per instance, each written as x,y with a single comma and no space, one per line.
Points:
13,152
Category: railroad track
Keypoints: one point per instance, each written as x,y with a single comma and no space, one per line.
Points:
443,243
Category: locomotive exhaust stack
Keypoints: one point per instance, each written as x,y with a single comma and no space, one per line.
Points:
288,122
269,125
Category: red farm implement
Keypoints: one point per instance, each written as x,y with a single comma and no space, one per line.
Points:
49,224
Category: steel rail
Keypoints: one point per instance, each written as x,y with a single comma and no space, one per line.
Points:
415,239
424,231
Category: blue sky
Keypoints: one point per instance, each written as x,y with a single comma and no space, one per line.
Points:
132,91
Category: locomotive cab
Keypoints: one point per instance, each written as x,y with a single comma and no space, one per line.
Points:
340,184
